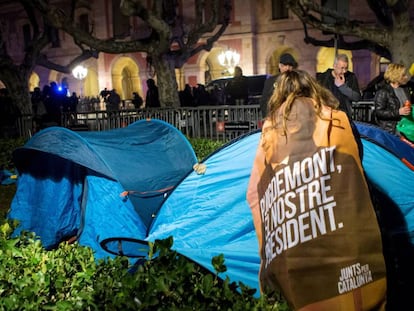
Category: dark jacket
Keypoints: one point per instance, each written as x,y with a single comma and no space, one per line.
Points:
237,89
346,93
267,92
387,106
152,99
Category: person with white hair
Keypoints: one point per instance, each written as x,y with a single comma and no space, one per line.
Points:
342,83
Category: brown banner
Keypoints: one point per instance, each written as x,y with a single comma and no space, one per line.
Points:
319,238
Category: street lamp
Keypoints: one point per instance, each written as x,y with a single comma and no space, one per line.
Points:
229,59
80,72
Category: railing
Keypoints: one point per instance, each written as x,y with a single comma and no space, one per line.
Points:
212,122
363,111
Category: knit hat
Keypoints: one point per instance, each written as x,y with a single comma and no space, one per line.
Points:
287,59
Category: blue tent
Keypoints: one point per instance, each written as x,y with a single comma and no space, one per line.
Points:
97,184
389,163
216,218
206,214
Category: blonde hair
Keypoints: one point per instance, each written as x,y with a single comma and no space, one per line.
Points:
396,73
294,84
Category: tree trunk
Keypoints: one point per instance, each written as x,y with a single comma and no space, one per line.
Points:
166,81
16,83
402,45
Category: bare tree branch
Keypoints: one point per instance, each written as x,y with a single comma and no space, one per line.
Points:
309,11
342,44
169,41
86,54
390,35
161,36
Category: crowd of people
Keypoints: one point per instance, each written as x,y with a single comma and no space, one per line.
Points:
392,101
49,103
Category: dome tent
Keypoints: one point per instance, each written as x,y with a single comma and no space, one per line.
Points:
216,218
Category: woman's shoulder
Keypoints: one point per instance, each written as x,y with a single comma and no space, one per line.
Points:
383,93
385,87
267,124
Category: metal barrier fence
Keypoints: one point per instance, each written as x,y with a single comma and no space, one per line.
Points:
212,122
363,111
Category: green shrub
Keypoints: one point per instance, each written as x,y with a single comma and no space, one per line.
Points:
7,192
204,147
69,278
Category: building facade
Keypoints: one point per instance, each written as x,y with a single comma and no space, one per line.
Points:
259,32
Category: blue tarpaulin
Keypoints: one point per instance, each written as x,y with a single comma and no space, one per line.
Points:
96,184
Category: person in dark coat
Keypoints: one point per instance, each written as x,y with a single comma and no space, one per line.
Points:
137,100
186,97
342,83
286,63
114,100
237,89
152,99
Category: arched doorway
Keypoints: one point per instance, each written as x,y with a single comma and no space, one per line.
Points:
125,77
127,87
34,81
90,85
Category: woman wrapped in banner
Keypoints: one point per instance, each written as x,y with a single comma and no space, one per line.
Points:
319,239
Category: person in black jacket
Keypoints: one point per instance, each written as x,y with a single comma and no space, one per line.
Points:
390,98
237,89
152,99
342,83
286,63
137,100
